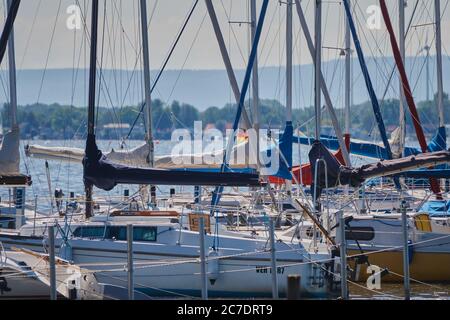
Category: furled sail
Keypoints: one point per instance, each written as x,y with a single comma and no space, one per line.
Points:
139,155
102,173
9,153
54,153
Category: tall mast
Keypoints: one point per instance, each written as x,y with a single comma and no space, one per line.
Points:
289,61
326,94
440,93
148,98
402,118
289,4
147,83
12,75
427,49
348,89
317,65
407,90
255,79
240,107
91,102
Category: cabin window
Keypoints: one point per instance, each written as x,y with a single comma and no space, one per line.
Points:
117,233
89,232
139,233
360,233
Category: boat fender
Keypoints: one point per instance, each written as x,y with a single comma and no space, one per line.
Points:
213,266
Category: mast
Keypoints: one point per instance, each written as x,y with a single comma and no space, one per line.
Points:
289,61
9,149
348,88
317,65
9,24
289,49
325,91
147,84
402,118
240,107
427,48
12,74
148,98
407,91
255,81
91,102
440,86
368,80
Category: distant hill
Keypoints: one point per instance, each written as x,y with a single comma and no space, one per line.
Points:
205,88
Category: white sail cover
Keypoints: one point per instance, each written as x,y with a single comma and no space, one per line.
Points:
138,157
396,143
54,153
239,159
9,153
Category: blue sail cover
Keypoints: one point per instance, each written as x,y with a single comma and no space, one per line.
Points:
285,150
436,208
439,141
371,150
105,175
364,149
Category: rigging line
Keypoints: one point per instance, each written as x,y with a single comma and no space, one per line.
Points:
49,50
276,36
135,66
163,68
393,68
119,14
30,34
377,46
187,57
233,32
409,47
279,82
389,84
266,38
108,95
383,57
101,63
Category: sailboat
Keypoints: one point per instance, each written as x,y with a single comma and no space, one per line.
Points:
377,239
12,216
166,254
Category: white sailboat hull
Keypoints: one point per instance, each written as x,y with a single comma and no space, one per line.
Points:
244,268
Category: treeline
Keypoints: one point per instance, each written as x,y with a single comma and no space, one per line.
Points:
56,121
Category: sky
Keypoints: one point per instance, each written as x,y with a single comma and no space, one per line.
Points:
44,40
